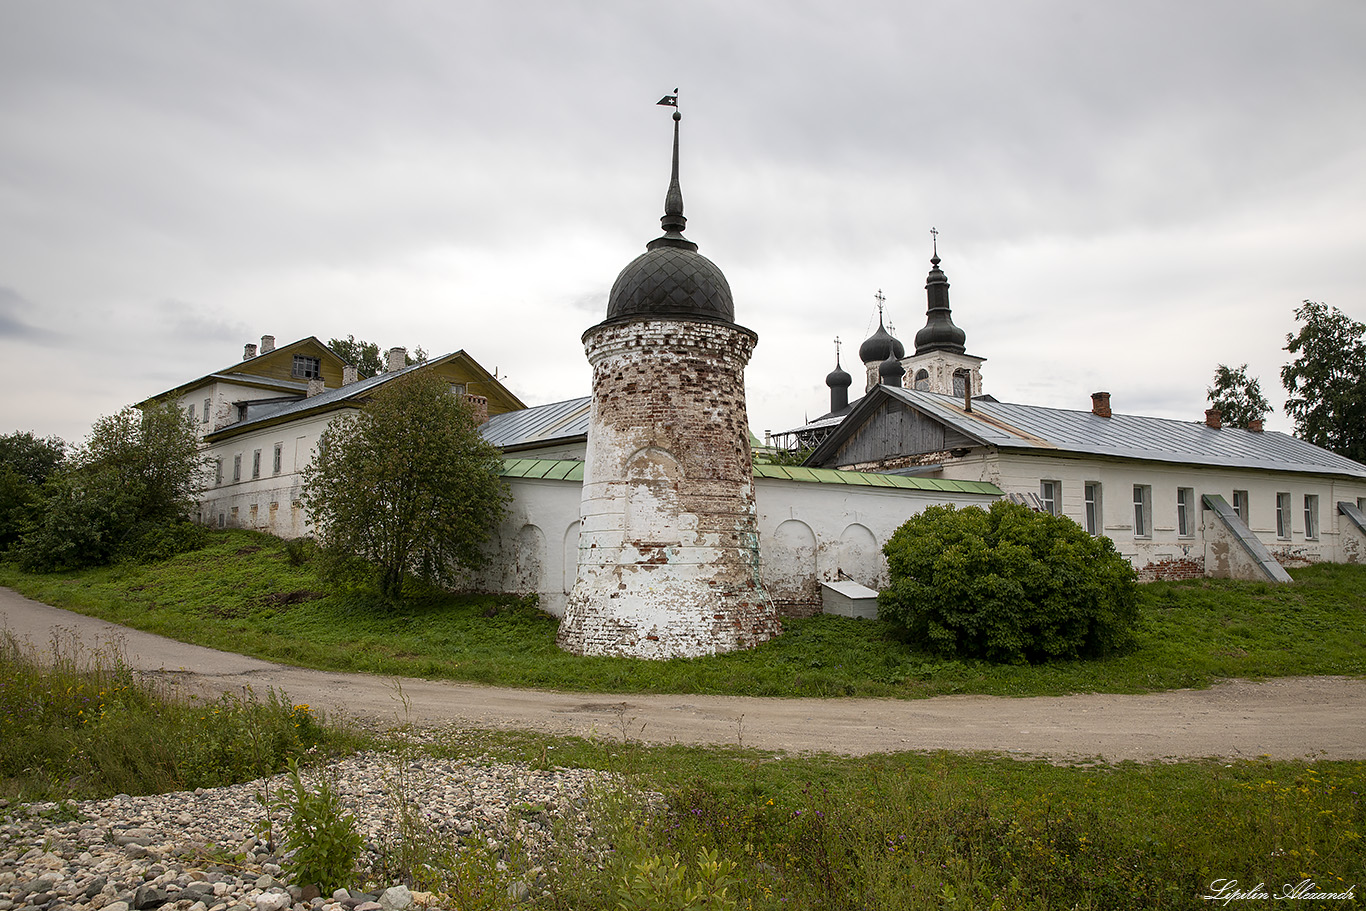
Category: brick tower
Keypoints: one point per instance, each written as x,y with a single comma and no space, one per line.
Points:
669,546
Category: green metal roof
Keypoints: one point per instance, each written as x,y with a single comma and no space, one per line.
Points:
547,469
872,479
570,470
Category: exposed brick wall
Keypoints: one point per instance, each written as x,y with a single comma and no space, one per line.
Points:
1175,568
797,610
669,546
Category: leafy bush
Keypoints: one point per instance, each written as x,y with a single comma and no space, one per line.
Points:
124,493
25,463
321,837
1009,585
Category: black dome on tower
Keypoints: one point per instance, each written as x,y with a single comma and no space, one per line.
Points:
671,278
939,334
838,378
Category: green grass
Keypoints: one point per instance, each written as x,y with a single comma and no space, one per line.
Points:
87,727
905,831
944,830
243,594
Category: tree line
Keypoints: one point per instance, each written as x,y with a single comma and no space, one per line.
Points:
1325,383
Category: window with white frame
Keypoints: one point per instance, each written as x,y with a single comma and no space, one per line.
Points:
1093,507
306,368
256,464
1283,516
207,404
1240,504
217,471
1050,494
237,468
1143,511
1185,511
1311,515
191,412
279,451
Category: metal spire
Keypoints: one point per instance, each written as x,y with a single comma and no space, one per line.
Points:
673,221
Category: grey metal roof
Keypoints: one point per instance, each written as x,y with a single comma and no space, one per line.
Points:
1032,427
539,425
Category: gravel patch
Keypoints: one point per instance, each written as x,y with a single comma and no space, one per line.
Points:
210,850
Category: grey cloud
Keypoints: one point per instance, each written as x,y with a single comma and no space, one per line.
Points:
15,325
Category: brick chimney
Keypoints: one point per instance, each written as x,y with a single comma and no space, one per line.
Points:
267,344
315,387
1255,425
248,352
1100,404
1214,418
480,406
397,360
349,374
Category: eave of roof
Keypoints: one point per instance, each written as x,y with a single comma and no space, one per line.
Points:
1035,429
572,470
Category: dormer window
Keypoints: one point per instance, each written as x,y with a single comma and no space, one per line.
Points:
306,368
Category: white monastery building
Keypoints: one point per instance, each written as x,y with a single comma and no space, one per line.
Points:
641,515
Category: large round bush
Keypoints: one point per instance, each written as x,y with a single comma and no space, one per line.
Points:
1008,584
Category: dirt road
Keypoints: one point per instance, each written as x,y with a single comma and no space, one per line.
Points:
1288,718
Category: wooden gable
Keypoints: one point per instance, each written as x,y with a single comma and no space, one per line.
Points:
280,364
465,370
895,430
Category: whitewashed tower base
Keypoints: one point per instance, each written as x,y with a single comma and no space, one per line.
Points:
669,544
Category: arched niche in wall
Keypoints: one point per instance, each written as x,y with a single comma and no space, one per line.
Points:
529,560
652,511
571,556
789,561
860,556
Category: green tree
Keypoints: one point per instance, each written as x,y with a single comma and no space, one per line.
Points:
126,491
1327,380
1008,584
1238,397
406,485
366,356
26,462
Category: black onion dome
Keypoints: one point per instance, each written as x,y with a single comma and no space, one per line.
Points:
671,278
838,378
939,334
891,371
880,345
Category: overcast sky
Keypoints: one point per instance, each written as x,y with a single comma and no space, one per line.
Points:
1127,194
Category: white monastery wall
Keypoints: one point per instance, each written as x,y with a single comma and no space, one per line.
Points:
813,533
808,533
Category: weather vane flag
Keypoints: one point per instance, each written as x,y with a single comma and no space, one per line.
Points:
669,101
